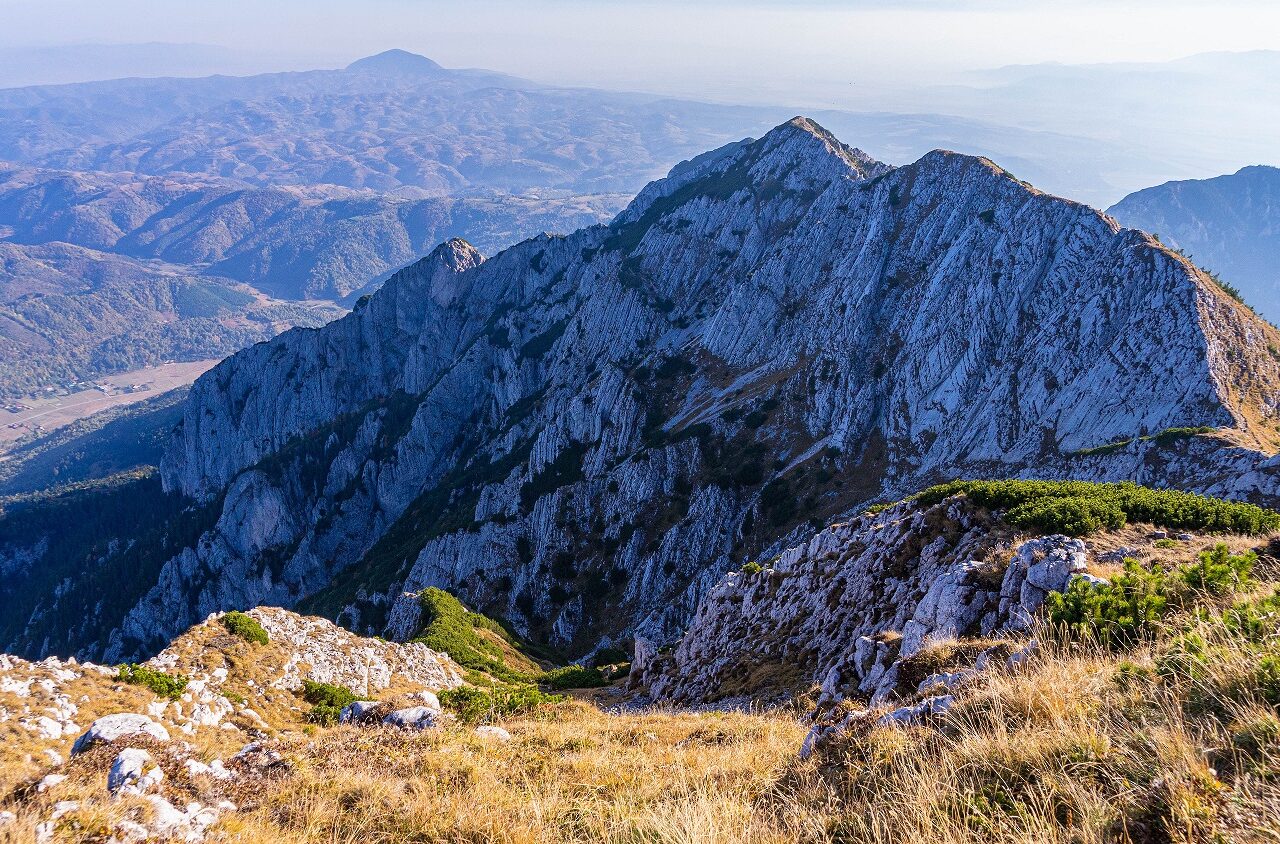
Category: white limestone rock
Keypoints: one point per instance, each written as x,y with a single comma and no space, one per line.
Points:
127,769
414,718
115,727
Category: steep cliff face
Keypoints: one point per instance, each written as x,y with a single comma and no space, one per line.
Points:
581,433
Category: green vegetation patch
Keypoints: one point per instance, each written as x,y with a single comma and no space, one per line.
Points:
1136,600
469,639
1168,435
246,627
327,701
450,628
574,677
164,685
1077,508
473,705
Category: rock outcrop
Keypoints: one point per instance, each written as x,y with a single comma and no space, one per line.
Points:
582,433
846,609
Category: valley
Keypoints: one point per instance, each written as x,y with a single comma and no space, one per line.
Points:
35,417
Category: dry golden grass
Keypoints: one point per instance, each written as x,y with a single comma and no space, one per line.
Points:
572,774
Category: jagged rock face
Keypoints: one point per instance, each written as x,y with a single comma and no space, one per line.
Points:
581,433
842,610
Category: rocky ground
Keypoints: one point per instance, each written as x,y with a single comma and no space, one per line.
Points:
186,752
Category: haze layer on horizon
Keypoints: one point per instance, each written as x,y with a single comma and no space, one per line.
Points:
865,54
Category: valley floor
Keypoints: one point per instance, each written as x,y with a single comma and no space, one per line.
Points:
27,417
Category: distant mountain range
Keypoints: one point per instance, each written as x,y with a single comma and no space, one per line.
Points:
313,242
1229,224
123,202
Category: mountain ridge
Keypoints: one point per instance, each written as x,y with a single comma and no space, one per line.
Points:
1230,224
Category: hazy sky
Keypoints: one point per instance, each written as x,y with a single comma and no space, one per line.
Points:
736,50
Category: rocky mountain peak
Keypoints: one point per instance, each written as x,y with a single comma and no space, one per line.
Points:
798,156
798,136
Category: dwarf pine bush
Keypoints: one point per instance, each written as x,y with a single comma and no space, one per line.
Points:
1118,612
1077,508
327,701
574,677
246,627
164,685
473,705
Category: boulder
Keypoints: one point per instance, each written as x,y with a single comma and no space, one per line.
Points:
114,727
414,718
490,732
358,712
127,770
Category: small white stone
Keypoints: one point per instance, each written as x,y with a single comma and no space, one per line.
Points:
126,768
49,781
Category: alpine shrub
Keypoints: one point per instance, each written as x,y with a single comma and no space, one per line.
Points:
1080,507
327,701
449,627
164,685
1116,612
473,705
246,627
1119,612
574,677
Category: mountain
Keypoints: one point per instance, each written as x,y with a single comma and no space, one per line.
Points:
582,432
400,120
1230,224
314,242
317,185
103,273
386,122
70,314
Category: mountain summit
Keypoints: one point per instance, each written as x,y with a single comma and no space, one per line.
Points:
581,433
397,62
